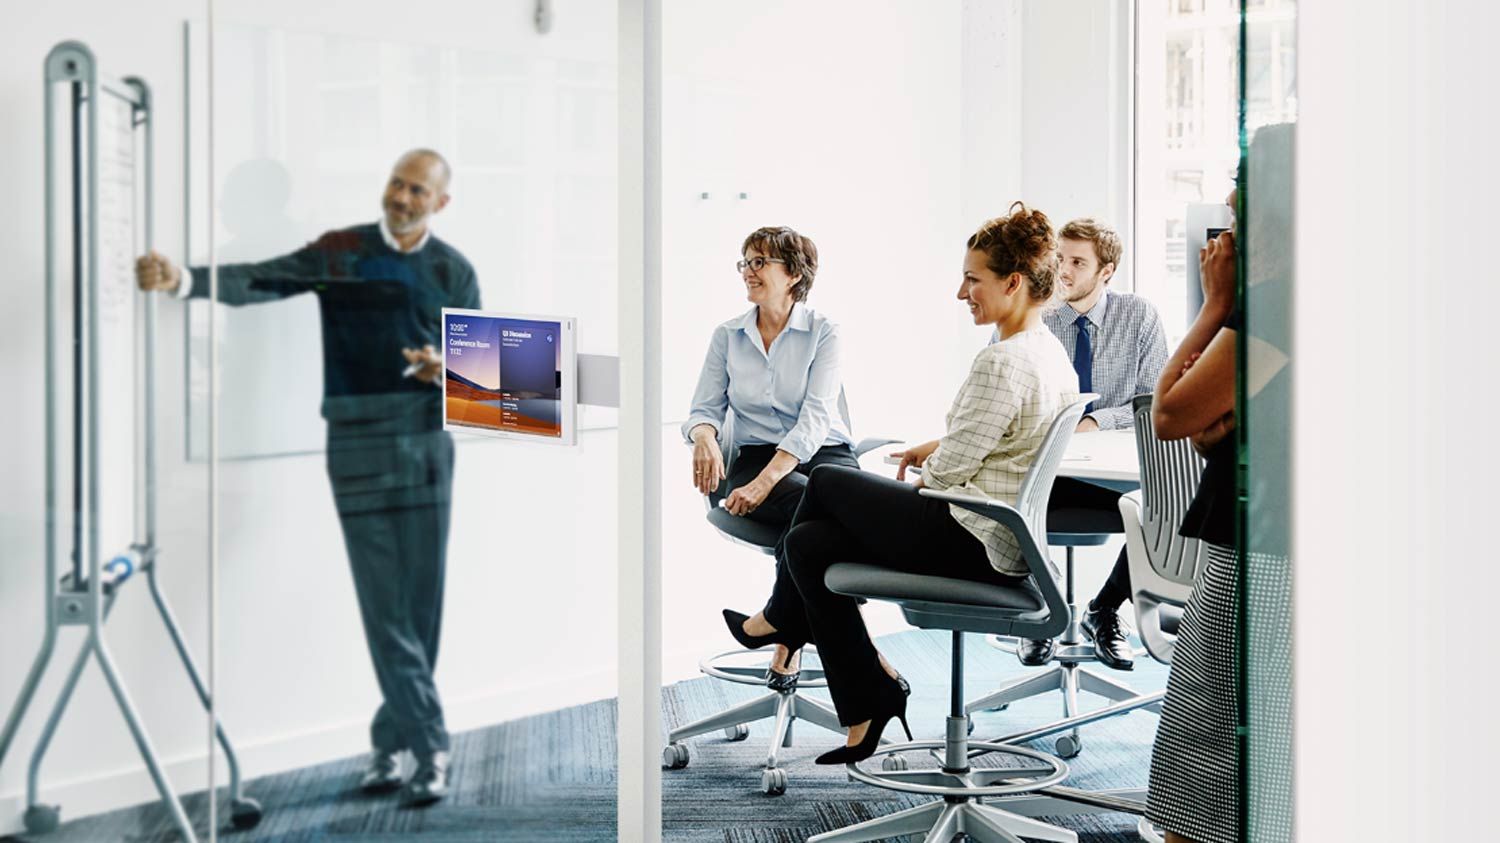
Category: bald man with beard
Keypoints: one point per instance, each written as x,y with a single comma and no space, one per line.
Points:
381,288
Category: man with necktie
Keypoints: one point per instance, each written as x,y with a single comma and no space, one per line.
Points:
1118,349
381,288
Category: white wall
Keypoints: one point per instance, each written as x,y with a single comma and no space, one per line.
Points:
838,119
295,685
1395,296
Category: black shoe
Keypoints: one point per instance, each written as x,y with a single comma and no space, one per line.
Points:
429,784
892,706
382,773
1034,652
736,623
1111,646
785,682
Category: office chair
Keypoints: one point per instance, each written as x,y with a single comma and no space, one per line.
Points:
1034,609
785,706
1163,565
1070,529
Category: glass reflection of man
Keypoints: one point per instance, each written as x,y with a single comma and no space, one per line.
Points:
380,288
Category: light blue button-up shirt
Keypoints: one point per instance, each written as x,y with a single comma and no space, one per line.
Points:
789,396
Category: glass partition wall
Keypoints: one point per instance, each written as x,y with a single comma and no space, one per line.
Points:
1268,117
417,554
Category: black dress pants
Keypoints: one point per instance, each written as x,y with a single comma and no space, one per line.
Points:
781,504
852,516
1080,507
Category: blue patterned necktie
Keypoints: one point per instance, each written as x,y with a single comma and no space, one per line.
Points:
1083,359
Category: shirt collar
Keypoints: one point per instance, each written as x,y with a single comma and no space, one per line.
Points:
390,239
1096,313
799,320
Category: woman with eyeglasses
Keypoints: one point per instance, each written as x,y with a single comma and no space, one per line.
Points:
776,367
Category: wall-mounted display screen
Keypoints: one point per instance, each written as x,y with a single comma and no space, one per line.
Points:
510,375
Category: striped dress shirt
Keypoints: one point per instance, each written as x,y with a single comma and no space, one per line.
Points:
1130,349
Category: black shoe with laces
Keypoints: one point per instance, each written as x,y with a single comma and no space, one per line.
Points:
1111,645
1034,652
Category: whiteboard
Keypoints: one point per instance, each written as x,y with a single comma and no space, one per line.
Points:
116,413
307,127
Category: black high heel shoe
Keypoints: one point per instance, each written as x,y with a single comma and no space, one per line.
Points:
736,623
893,706
778,681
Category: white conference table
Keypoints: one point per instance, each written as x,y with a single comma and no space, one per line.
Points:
1105,457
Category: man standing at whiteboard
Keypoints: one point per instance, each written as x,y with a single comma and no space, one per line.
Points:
381,288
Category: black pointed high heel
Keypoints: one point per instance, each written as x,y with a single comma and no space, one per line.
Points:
894,709
736,623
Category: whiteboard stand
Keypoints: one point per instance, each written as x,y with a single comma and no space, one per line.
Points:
79,599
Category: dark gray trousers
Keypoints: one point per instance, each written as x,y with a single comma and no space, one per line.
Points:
393,497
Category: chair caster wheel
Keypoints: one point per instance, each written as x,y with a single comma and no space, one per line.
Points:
1000,707
893,763
736,733
1068,746
970,718
245,813
773,781
675,756
41,819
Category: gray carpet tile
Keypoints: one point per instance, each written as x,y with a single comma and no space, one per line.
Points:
552,776
717,796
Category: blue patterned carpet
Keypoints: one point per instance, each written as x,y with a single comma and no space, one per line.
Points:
552,777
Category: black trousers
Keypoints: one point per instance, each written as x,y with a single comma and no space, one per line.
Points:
1079,507
852,516
781,504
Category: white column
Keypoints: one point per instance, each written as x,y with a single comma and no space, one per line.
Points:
639,494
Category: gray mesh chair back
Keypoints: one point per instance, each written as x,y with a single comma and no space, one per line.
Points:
1170,472
1163,565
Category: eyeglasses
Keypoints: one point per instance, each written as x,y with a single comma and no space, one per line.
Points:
756,264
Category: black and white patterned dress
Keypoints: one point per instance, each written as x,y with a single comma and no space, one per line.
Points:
1195,762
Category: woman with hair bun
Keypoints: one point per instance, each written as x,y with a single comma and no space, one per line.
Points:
1015,388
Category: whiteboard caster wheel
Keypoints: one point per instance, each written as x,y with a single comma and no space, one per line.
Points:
1068,746
675,756
893,763
244,813
773,781
736,733
41,819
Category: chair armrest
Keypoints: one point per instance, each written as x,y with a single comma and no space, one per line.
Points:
870,443
1005,515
